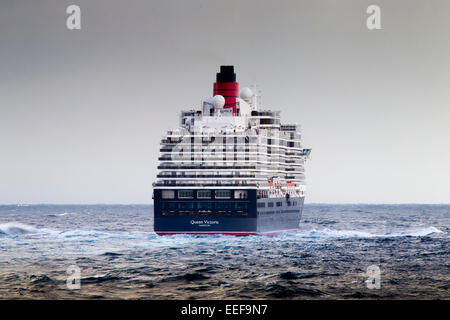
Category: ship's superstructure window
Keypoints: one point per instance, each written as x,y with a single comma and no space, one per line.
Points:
223,205
204,205
240,194
185,205
223,194
241,205
185,194
168,194
270,204
261,205
204,194
279,203
168,205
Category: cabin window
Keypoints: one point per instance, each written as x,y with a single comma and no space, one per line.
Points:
168,194
186,205
204,194
261,205
223,205
168,205
279,203
204,205
241,205
240,194
270,204
168,208
223,194
185,194
267,121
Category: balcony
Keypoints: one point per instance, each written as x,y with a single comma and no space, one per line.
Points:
202,166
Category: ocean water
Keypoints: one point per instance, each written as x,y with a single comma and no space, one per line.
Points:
120,257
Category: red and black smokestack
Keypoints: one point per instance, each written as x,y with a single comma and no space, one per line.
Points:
227,87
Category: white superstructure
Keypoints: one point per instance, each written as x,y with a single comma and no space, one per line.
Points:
249,149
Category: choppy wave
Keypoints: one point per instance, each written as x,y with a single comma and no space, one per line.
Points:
83,233
115,246
17,228
63,214
422,232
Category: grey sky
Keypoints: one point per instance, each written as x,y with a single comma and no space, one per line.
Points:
82,112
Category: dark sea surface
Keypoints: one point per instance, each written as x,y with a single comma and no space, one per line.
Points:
120,257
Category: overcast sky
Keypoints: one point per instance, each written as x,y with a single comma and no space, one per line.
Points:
82,111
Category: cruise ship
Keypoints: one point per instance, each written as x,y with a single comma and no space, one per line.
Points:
231,167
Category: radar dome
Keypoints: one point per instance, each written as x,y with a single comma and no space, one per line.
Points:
246,94
218,101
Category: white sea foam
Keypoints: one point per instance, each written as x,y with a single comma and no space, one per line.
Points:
64,214
330,233
84,233
17,228
416,233
151,239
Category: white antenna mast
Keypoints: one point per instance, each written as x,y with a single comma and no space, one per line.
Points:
256,99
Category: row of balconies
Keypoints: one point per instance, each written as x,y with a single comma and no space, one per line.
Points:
167,151
257,169
239,161
217,179
197,176
203,166
236,159
260,148
167,183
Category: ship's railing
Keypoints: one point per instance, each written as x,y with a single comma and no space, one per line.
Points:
296,147
235,148
266,113
217,184
198,176
239,158
222,164
256,174
295,170
283,143
170,142
288,127
212,136
218,133
167,156
252,132
203,167
219,152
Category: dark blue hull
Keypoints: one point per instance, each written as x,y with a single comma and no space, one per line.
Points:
234,216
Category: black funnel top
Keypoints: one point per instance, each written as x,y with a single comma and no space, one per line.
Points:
226,74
